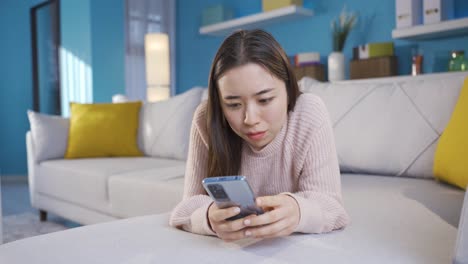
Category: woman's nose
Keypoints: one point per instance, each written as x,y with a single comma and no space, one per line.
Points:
251,116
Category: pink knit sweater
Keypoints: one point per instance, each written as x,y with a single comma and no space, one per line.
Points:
300,161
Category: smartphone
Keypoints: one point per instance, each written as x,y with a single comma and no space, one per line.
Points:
229,191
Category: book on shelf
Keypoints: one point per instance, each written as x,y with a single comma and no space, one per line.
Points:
269,5
306,59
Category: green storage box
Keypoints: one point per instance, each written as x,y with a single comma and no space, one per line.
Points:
373,50
216,14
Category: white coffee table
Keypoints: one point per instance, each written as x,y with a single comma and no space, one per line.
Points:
150,240
417,234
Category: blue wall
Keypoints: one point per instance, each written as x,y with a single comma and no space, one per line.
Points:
377,20
92,30
108,44
75,29
46,74
15,83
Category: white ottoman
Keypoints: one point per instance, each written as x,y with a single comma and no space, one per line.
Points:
461,248
391,223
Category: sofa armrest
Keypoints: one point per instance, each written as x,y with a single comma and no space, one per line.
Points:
461,246
31,165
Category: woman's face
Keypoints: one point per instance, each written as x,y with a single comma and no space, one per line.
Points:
254,103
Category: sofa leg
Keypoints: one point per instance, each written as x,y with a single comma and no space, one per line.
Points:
42,215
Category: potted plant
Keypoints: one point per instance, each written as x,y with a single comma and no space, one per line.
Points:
341,27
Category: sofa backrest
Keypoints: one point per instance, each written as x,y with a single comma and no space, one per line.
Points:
164,129
389,126
163,132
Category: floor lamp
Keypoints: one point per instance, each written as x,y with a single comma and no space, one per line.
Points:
157,66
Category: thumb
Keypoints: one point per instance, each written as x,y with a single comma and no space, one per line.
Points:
269,201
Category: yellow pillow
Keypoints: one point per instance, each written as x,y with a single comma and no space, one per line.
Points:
451,156
103,130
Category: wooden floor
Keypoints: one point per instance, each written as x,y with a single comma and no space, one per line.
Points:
15,200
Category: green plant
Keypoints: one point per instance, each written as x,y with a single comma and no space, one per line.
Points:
341,27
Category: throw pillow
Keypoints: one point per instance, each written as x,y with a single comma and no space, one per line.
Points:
103,130
165,125
451,155
49,135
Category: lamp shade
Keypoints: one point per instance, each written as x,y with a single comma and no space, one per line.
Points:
157,66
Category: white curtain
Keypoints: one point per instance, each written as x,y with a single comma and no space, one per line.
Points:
142,17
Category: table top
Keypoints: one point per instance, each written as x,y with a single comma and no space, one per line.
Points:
149,239
392,221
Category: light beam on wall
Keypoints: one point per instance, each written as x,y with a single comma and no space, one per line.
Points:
76,85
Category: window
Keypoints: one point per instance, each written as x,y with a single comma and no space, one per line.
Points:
142,17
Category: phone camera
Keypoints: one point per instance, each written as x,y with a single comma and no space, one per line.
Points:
217,191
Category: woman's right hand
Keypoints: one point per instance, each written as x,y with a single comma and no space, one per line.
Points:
226,230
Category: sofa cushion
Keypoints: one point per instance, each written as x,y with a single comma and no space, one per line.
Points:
146,192
103,130
85,181
165,126
50,135
204,95
451,156
389,127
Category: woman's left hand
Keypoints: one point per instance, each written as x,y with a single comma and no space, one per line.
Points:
281,217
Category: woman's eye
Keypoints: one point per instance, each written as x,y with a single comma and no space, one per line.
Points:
266,100
235,105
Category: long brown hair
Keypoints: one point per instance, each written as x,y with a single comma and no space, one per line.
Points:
240,48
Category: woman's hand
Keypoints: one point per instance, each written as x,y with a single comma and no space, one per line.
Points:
226,230
281,217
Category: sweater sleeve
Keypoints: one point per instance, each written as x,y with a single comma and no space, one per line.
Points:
319,185
191,213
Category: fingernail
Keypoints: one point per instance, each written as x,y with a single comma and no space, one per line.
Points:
248,233
237,210
247,222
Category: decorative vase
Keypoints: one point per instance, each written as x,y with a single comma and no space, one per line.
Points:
336,66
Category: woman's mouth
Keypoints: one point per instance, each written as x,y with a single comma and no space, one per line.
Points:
256,136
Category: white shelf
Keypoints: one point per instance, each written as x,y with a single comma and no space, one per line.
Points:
256,21
443,29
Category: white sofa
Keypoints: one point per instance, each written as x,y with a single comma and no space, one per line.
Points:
95,190
386,133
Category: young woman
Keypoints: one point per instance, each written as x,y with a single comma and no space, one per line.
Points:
257,124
